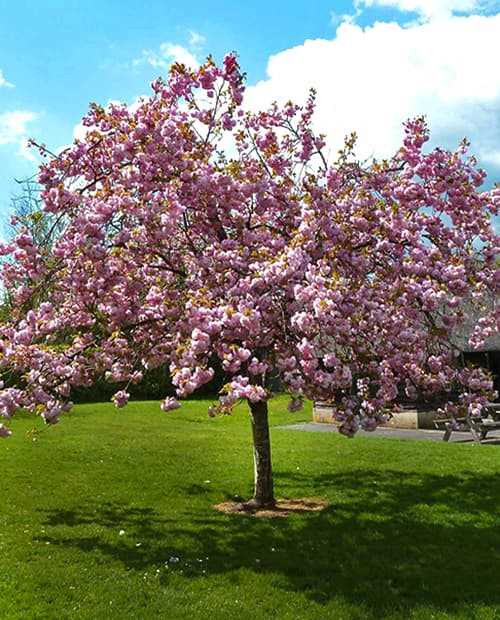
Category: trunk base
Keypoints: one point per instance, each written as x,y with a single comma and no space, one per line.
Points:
279,508
255,504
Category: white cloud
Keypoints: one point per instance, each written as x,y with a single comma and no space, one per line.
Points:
168,54
178,53
79,132
3,81
196,39
369,80
13,126
427,9
13,131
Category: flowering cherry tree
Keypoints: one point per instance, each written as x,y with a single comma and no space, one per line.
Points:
189,229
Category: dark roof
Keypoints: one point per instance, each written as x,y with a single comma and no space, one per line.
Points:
473,312
491,344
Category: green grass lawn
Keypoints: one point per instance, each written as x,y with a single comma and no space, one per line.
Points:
109,515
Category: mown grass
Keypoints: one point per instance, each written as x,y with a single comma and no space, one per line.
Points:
412,531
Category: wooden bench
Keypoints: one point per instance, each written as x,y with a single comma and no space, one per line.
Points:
478,427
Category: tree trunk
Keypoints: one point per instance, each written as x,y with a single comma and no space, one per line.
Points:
263,471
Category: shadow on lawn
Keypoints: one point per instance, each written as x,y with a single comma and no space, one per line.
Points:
388,541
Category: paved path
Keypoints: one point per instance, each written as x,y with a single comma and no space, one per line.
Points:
395,433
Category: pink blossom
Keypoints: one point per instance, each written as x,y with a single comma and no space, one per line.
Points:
169,404
121,398
295,404
4,431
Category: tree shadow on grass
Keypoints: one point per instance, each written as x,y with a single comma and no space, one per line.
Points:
389,541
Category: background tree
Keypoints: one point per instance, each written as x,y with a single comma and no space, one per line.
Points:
193,229
28,215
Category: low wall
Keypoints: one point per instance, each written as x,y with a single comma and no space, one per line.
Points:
406,418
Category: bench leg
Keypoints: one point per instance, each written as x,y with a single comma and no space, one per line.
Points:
474,434
484,432
447,433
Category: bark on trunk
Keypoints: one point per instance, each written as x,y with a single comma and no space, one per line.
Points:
263,472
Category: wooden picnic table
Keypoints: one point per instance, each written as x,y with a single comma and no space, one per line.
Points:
478,426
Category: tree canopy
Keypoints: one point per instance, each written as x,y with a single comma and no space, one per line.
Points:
189,227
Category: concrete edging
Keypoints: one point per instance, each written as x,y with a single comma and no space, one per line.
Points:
406,418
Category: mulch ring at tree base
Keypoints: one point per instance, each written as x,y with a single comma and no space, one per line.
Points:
282,508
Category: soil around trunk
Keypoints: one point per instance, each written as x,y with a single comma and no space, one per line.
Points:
281,508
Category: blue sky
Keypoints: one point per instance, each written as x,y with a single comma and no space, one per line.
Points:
376,62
